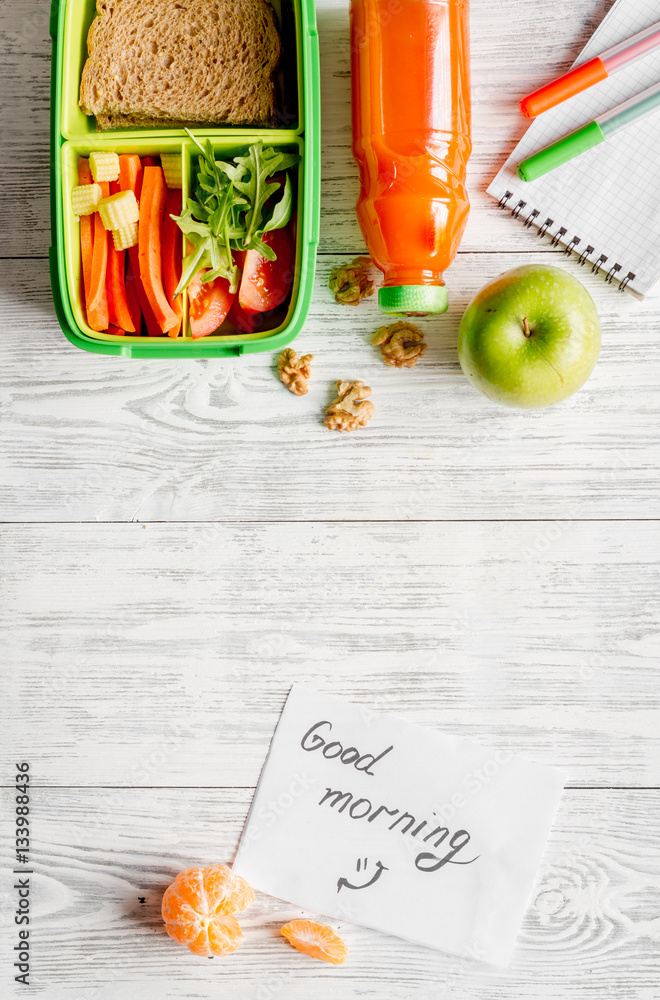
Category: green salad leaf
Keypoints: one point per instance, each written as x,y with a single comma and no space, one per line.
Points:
229,210
250,176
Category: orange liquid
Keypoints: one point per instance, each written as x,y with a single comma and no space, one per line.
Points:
411,132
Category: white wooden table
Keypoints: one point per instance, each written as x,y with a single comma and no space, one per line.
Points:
183,540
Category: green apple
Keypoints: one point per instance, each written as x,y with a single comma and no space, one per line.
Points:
531,337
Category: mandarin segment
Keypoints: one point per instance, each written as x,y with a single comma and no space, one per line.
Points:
216,937
225,935
189,887
226,892
317,940
198,909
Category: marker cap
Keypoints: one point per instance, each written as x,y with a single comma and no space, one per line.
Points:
560,152
579,79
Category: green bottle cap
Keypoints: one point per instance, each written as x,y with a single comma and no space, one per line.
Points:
560,152
411,300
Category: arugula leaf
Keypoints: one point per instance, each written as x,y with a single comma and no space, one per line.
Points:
250,176
263,248
228,211
282,211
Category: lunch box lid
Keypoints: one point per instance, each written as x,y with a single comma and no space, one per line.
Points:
306,134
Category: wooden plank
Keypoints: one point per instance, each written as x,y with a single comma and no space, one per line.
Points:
95,438
591,927
149,654
500,77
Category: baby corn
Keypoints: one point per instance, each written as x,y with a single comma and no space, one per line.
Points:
119,210
126,237
171,164
85,198
104,166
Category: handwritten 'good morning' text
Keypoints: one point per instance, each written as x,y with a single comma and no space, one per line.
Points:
363,809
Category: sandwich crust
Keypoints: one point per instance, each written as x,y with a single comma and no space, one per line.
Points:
171,61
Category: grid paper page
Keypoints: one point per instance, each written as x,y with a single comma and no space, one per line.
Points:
604,204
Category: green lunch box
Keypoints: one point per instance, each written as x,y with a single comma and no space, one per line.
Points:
73,134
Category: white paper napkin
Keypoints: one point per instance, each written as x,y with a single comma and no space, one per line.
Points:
368,818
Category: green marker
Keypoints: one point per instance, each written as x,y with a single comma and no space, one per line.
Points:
590,135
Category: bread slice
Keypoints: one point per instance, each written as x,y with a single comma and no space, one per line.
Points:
171,61
114,122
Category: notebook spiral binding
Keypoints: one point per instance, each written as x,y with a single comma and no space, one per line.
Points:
557,238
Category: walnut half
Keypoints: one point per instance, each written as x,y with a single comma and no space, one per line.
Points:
351,282
294,371
351,409
401,344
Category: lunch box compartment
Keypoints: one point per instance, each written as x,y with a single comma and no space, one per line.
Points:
73,134
224,148
70,154
289,110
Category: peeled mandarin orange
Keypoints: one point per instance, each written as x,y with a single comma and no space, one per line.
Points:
199,907
317,940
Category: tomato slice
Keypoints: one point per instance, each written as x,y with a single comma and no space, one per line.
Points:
252,322
208,304
266,283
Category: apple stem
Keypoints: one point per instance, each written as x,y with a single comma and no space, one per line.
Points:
526,329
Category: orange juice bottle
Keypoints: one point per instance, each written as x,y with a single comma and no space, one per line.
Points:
411,140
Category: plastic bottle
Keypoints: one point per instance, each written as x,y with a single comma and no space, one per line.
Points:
411,140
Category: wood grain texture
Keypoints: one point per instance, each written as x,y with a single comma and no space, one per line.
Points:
591,928
93,438
163,654
155,659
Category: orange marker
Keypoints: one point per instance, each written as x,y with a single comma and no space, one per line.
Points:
589,73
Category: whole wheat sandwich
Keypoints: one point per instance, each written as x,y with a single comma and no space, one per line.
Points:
168,62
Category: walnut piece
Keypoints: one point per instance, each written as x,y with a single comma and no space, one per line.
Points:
351,283
401,344
294,371
351,409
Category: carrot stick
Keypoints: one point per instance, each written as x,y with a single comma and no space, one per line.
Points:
130,174
118,310
130,179
84,172
86,249
86,232
132,299
152,204
97,305
153,328
173,256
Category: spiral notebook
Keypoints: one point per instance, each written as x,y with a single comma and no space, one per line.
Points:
604,205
